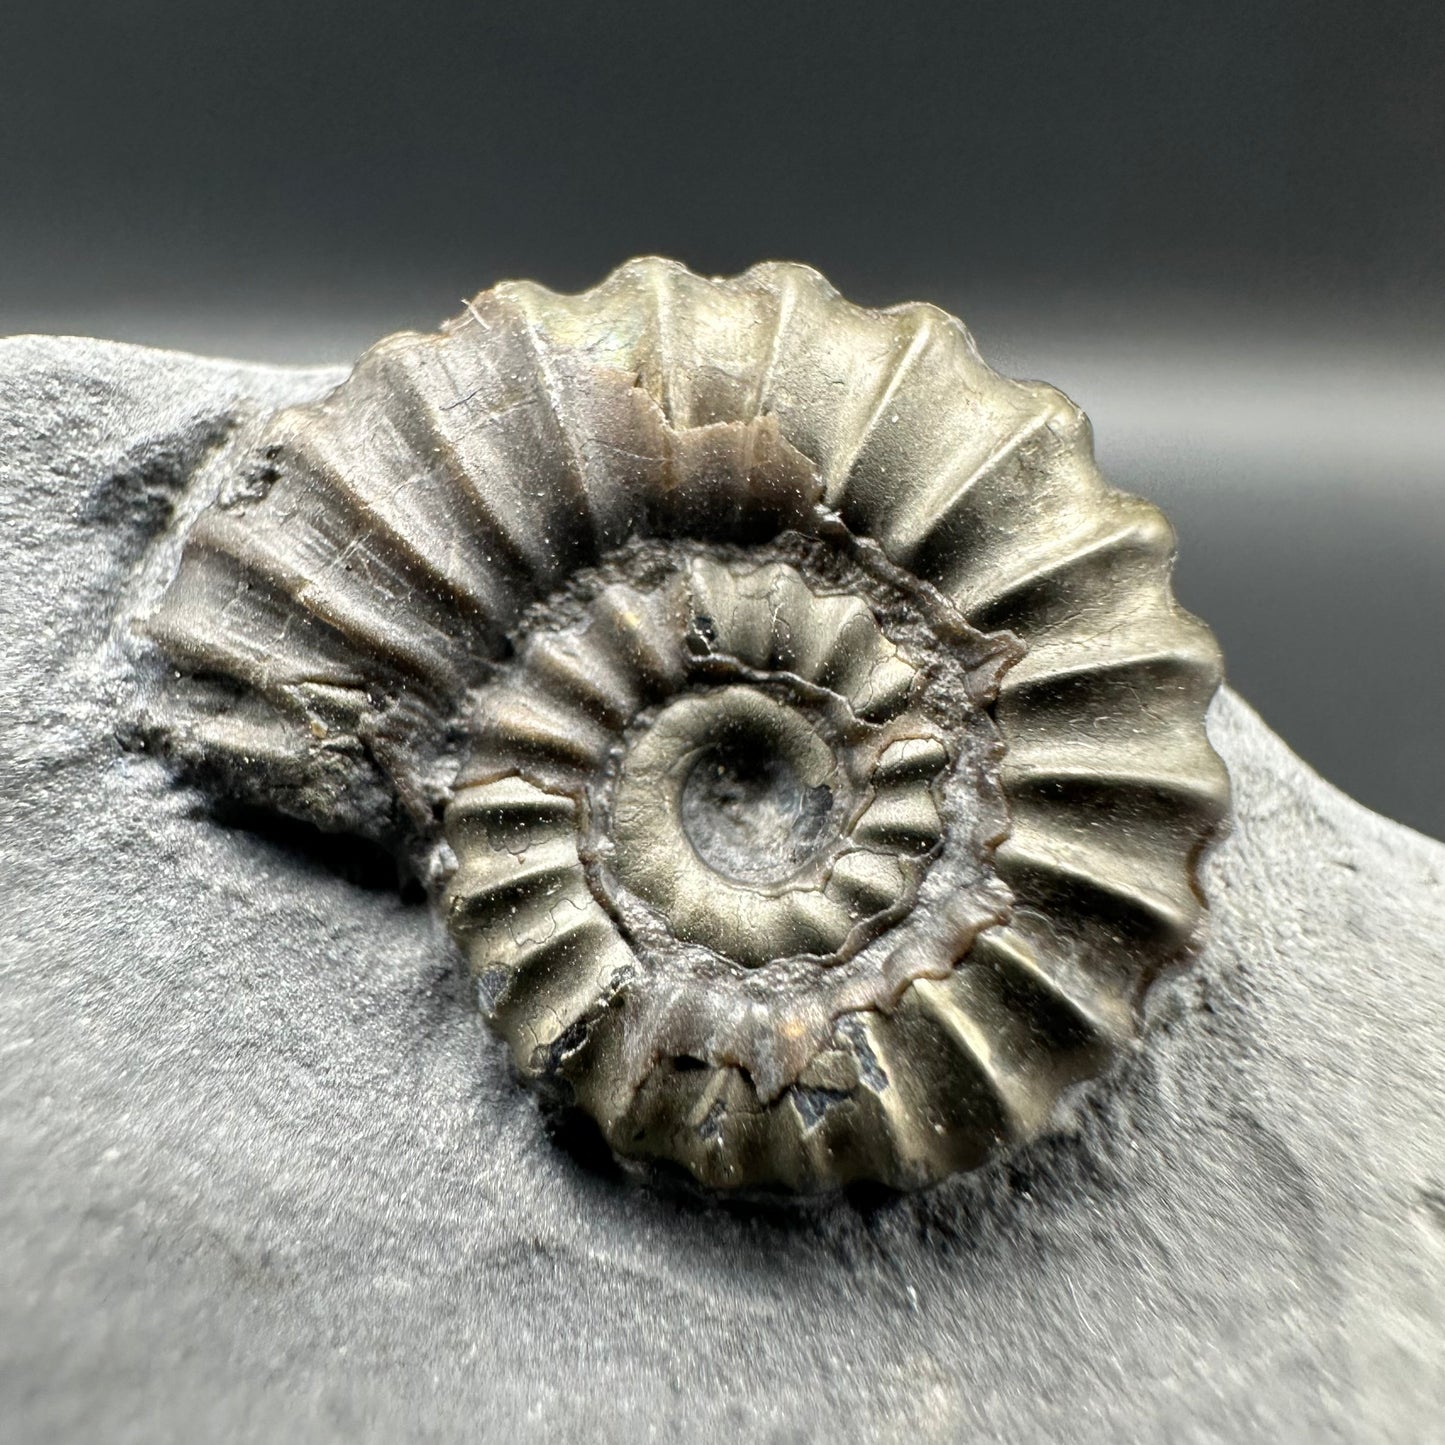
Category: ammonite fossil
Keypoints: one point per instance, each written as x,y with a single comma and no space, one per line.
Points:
812,750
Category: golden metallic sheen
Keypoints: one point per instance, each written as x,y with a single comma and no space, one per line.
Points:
808,744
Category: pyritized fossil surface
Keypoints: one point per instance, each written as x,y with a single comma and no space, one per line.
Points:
807,747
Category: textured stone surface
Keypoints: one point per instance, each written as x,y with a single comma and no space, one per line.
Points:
265,1174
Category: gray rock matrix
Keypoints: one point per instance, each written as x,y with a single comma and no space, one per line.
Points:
264,1174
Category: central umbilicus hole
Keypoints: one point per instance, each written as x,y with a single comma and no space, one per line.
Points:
748,814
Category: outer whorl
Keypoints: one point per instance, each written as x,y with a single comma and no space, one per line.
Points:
813,744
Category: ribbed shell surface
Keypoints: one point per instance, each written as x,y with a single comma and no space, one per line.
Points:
351,612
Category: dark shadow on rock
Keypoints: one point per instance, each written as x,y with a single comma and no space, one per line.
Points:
355,860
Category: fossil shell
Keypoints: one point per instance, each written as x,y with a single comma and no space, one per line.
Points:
813,748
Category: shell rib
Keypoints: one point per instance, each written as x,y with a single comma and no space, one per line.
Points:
818,742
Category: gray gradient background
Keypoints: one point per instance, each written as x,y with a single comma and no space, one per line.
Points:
1220,227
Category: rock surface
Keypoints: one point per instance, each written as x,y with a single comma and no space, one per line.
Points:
265,1174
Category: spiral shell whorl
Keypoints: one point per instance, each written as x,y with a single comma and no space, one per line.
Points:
819,743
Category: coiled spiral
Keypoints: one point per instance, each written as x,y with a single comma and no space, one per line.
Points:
813,745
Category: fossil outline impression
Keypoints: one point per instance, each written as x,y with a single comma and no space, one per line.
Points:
811,745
